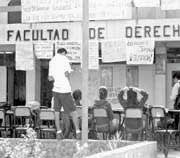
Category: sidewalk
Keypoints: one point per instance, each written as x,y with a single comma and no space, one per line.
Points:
171,154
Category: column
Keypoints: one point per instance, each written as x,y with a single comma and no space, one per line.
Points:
33,83
160,74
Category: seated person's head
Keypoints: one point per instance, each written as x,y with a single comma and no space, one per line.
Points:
176,77
77,95
131,96
103,93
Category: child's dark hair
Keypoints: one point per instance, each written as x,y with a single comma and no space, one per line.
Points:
77,94
176,75
103,92
61,50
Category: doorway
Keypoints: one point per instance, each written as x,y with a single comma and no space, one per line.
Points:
173,65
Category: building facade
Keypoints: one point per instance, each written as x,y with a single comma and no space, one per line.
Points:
18,87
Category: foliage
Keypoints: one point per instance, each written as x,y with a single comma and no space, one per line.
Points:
29,147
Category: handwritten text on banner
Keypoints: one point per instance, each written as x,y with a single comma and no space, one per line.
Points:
73,50
43,50
140,52
71,10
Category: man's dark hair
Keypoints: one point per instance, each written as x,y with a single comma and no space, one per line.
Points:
176,75
61,50
77,94
103,92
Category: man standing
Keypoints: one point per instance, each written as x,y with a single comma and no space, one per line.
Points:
174,96
59,71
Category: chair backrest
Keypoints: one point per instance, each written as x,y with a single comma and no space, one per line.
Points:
101,120
133,119
100,112
157,112
133,113
158,117
22,111
46,114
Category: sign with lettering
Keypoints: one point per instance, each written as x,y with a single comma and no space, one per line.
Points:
73,50
43,50
140,52
156,29
170,5
71,10
49,32
113,50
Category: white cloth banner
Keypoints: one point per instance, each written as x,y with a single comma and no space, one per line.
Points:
43,50
140,52
24,56
93,55
73,50
114,50
71,10
170,4
147,3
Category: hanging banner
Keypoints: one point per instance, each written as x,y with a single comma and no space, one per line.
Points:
43,50
113,50
140,52
24,56
170,5
93,55
71,10
73,50
147,3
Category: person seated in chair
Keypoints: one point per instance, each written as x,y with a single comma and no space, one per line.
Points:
77,96
103,103
132,101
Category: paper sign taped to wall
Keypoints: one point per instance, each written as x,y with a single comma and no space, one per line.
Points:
43,50
140,52
73,50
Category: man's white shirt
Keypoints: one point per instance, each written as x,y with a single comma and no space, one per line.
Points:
58,65
174,91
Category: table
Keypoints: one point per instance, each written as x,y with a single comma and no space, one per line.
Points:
176,143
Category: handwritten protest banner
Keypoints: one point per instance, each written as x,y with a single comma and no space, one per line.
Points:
24,56
140,52
113,51
43,50
73,50
71,10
